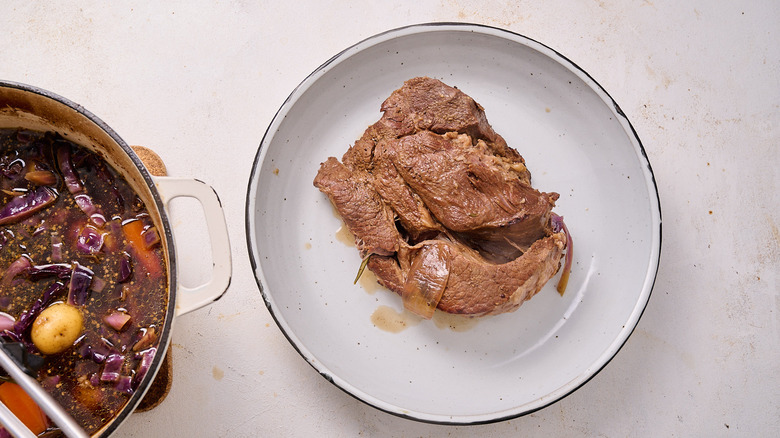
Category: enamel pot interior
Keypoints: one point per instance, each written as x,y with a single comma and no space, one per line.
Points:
23,106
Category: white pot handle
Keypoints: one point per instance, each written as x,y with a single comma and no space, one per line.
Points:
190,299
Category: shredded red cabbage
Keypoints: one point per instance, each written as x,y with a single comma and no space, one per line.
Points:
90,241
80,280
27,317
20,207
558,225
16,268
146,363
124,384
86,205
6,322
13,170
62,271
125,267
73,183
50,382
112,368
98,353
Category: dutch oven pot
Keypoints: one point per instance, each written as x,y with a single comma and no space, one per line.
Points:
27,107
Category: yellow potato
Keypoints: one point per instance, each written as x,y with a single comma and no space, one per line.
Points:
57,328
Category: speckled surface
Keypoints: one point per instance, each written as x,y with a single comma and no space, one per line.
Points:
199,82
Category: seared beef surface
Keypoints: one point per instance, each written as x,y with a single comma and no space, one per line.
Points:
442,207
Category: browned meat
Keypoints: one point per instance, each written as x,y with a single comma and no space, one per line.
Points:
471,192
443,206
425,104
475,286
361,208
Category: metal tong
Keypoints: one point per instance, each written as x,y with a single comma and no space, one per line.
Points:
52,409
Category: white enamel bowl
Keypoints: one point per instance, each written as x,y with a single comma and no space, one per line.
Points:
576,141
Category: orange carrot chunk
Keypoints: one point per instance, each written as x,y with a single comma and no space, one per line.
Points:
134,231
23,406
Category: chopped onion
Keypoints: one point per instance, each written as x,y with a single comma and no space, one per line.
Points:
98,284
148,338
56,247
84,349
72,181
150,237
117,320
40,177
6,322
13,170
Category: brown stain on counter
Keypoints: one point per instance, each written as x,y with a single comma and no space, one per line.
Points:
223,317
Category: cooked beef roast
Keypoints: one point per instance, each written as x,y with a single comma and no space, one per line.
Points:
442,207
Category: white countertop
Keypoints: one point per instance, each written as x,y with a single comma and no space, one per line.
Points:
199,82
